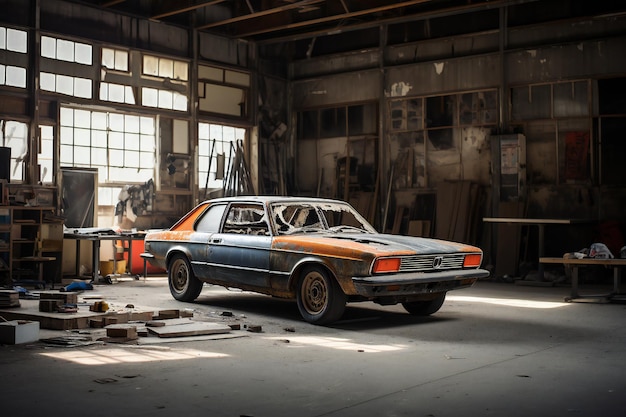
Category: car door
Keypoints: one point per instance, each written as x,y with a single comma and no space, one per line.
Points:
240,253
199,242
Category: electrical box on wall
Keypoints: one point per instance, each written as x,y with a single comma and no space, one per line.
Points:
508,156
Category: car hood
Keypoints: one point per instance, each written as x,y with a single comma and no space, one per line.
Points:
376,244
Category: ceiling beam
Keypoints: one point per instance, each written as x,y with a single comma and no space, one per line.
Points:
470,8
186,9
334,17
260,14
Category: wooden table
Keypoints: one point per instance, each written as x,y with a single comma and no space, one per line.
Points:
541,226
576,263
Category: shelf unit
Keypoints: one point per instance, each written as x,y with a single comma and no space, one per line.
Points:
31,245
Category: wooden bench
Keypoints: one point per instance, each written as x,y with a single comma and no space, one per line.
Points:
576,263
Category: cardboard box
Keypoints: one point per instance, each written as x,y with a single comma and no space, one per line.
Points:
15,332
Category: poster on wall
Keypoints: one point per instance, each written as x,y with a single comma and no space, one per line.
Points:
576,156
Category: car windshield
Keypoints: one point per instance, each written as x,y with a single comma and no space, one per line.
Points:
312,217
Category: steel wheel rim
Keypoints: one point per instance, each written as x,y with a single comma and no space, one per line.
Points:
314,293
180,275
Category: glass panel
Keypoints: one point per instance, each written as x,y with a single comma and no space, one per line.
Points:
17,41
181,71
149,97
116,122
83,54
116,93
47,81
67,135
116,140
333,122
3,38
108,58
131,141
147,126
65,84
129,95
180,102
165,99
98,120
440,111
166,68
131,124
121,61
16,76
65,50
82,118
82,137
48,47
571,99
99,138
131,159
236,77
116,158
99,156
533,102
210,73
82,87
2,74
66,155
150,65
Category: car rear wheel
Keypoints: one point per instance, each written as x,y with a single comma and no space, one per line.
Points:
425,308
320,298
184,285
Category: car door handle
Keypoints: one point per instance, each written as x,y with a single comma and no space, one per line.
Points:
216,240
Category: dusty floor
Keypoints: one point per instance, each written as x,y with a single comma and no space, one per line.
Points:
493,350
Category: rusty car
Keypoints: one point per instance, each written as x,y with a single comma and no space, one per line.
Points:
320,252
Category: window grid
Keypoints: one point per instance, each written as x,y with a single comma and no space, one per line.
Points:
120,146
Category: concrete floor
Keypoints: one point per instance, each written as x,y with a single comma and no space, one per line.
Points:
495,349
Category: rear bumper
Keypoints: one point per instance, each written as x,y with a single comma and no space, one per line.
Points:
416,283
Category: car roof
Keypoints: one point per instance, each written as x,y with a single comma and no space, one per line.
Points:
272,199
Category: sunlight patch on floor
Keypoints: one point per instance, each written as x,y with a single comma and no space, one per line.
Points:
510,302
117,356
340,343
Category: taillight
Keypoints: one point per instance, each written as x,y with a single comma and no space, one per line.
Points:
472,260
386,265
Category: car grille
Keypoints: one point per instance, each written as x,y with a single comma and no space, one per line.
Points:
425,263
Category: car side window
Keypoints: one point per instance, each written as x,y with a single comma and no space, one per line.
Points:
211,219
247,219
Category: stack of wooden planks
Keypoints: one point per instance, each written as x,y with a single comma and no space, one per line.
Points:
459,211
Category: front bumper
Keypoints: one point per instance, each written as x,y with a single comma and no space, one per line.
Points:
396,285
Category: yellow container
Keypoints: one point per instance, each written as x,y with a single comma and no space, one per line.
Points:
106,267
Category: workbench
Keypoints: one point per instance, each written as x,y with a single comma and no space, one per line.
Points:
541,226
576,263
96,239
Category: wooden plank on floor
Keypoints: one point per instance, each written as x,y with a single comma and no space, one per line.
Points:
190,329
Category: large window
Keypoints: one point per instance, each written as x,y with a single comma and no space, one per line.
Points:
216,147
556,120
15,136
120,146
326,137
79,54
13,41
439,138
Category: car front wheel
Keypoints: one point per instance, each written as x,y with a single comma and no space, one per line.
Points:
184,285
425,308
320,298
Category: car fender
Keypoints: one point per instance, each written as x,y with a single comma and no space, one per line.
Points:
176,250
344,281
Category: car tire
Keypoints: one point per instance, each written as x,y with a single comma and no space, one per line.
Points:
425,308
183,283
320,298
